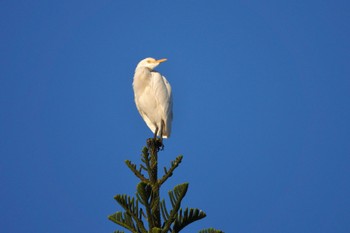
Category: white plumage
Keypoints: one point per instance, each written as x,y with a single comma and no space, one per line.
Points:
153,97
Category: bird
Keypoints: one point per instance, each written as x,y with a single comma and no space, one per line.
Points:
153,97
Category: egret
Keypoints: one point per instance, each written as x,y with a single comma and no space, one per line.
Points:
153,97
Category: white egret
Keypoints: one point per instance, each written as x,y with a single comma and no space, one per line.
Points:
153,97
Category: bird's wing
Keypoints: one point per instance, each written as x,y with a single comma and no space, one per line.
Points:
163,96
161,90
169,110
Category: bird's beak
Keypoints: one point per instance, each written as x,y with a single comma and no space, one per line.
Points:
161,60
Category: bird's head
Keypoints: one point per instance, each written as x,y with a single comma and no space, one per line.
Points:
150,63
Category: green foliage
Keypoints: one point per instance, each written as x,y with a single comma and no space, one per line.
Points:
210,230
154,211
118,231
187,218
131,219
176,197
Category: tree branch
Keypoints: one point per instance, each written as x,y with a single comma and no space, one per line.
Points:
174,165
135,171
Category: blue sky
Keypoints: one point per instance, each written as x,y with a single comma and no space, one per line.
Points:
261,111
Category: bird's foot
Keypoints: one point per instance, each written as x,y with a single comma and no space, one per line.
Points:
157,143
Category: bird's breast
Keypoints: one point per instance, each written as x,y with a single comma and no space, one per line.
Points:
141,81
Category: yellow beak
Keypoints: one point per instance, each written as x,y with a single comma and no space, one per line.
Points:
161,60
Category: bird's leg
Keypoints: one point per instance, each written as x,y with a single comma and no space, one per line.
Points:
161,135
158,142
161,129
155,133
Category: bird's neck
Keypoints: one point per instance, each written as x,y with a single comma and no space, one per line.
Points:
143,72
143,69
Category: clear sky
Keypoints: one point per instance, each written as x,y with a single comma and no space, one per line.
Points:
261,111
